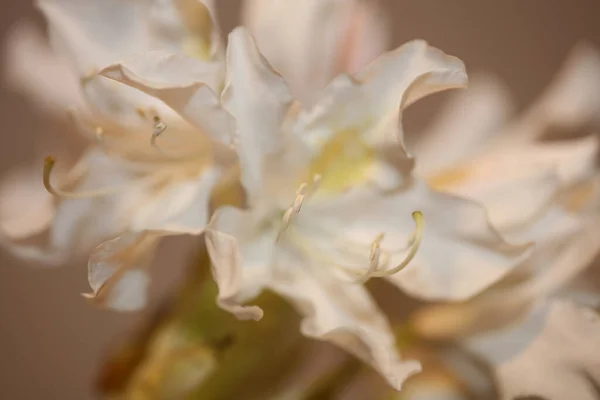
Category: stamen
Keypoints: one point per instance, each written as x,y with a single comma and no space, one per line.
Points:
374,258
302,193
49,165
417,234
159,128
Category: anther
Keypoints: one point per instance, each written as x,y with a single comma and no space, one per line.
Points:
374,259
303,192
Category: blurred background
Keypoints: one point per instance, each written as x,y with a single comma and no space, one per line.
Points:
51,341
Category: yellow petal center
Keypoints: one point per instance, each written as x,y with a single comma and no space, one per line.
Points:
343,161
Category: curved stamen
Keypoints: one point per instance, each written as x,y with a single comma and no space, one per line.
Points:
49,165
418,234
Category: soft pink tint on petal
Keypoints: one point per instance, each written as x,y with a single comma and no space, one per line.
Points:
310,41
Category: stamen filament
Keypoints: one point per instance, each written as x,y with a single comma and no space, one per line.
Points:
418,234
302,193
374,258
49,165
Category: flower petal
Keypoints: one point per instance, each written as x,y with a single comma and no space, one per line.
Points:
309,41
460,253
568,104
553,354
515,183
372,101
182,207
241,259
95,35
341,313
558,258
183,83
116,271
258,99
464,126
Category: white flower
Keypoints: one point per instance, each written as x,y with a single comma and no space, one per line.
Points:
150,172
316,216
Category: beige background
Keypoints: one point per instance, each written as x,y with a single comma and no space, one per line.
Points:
51,341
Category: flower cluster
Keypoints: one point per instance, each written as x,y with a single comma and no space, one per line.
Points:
284,151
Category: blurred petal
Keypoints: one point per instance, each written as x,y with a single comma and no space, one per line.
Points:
258,99
26,208
464,126
460,253
372,101
116,272
241,260
340,313
310,41
34,69
552,354
568,104
516,183
557,259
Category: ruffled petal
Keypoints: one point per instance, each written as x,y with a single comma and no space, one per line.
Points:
94,35
184,84
241,259
258,98
341,313
116,272
309,41
372,101
460,253
517,183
